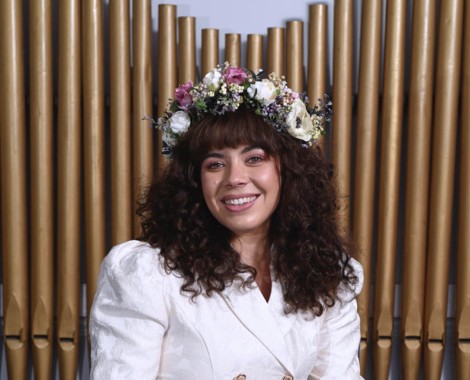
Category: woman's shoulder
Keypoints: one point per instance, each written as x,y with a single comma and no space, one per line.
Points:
351,291
133,259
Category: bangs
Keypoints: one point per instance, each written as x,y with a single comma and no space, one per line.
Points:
231,130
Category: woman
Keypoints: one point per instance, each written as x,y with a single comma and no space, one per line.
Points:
240,272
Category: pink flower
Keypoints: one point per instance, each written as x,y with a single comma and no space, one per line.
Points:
182,95
235,75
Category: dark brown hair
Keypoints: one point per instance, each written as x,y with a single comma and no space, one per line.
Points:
310,259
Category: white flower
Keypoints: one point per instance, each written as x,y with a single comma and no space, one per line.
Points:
179,122
212,79
305,130
264,91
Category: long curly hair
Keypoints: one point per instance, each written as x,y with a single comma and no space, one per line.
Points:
309,256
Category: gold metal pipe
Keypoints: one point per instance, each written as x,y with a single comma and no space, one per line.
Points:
42,193
210,50
186,49
417,184
69,194
142,104
94,160
389,185
233,49
276,53
317,70
254,52
13,191
366,142
342,96
167,71
462,317
442,184
295,58
120,121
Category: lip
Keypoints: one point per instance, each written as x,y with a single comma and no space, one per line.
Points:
239,207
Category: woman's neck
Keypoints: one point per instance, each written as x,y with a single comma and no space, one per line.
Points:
256,252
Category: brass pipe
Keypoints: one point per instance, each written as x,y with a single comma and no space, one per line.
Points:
69,194
142,104
42,192
120,121
442,184
389,185
186,49
317,69
233,49
342,96
13,191
166,65
94,147
366,142
462,316
417,184
210,50
295,58
276,53
254,52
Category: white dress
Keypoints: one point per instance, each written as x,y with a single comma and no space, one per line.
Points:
143,327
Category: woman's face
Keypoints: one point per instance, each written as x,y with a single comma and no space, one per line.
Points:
241,188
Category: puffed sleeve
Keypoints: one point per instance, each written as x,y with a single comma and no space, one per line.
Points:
340,336
129,315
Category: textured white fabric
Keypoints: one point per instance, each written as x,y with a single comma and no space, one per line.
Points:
143,327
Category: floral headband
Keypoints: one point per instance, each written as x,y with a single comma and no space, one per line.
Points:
226,88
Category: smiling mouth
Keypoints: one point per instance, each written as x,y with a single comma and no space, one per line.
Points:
239,201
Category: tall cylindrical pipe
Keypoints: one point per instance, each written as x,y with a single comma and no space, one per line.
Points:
142,102
42,192
442,184
13,192
417,184
120,121
276,53
366,142
69,184
389,185
210,50
343,96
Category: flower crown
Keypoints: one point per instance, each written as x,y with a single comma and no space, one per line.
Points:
226,88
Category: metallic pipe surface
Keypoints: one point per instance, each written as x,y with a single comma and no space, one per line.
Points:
69,189
254,52
442,184
462,316
389,185
343,97
317,68
142,104
366,142
186,49
210,50
276,52
233,49
295,58
166,65
94,142
120,121
417,184
13,190
42,191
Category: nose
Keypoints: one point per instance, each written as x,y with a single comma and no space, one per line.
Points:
235,175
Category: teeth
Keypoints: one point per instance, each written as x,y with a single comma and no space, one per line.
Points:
240,201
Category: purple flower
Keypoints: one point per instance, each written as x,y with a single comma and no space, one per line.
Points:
182,95
235,75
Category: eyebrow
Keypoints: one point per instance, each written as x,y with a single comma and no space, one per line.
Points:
221,155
